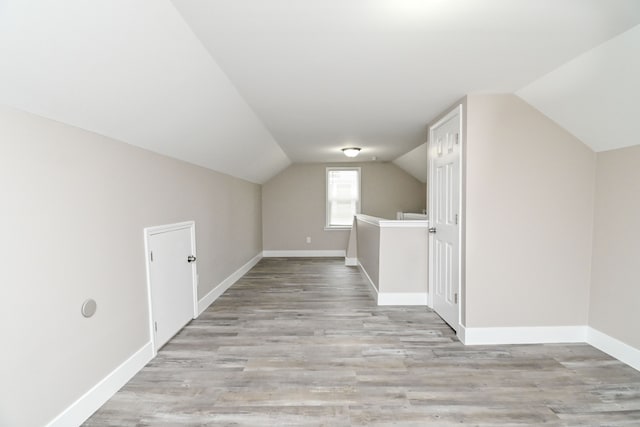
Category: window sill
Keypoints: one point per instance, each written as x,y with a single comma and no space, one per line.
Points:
346,228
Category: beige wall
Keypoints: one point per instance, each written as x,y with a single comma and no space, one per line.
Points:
403,260
352,246
74,205
615,287
395,258
368,242
529,217
293,203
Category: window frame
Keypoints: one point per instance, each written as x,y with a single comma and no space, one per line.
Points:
327,209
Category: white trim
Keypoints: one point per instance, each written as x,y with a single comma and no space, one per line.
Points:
150,231
461,333
523,335
215,293
351,261
157,229
302,253
393,223
327,226
80,410
456,109
194,271
402,298
412,216
147,266
368,219
614,347
552,335
373,286
404,223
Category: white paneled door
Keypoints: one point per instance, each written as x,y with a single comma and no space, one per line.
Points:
445,140
172,273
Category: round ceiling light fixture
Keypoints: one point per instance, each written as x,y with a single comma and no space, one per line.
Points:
351,151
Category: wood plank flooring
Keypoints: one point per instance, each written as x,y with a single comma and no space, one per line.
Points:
299,342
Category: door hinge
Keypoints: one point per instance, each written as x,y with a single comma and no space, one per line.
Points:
151,255
456,219
155,326
457,138
455,297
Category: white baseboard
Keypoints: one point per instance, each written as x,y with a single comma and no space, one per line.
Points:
350,261
301,253
393,298
461,333
215,293
522,335
552,334
614,347
402,298
373,286
92,400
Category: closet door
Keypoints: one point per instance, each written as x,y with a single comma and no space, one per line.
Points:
171,281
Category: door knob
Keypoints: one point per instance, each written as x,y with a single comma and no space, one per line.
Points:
432,230
191,258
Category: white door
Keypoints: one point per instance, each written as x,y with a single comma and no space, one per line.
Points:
445,141
171,270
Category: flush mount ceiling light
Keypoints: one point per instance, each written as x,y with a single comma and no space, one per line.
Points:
351,151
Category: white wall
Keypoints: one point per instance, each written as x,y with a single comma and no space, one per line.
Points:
74,205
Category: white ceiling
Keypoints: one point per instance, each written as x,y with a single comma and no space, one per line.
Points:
324,74
595,96
246,86
134,71
414,162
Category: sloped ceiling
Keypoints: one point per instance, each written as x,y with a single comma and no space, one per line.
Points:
134,71
414,162
324,74
595,96
247,86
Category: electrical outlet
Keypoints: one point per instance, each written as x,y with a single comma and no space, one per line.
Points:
308,239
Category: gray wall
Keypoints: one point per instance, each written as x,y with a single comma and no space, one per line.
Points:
529,217
293,203
74,205
615,286
368,242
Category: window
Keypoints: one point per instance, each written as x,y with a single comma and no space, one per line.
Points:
343,197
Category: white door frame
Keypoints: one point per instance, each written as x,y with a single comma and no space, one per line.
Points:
150,231
430,160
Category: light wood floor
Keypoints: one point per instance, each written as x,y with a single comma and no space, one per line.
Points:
299,342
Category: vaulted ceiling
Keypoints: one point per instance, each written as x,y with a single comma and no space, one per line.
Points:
247,86
595,95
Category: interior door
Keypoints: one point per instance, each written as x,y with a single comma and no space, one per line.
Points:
444,217
171,279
